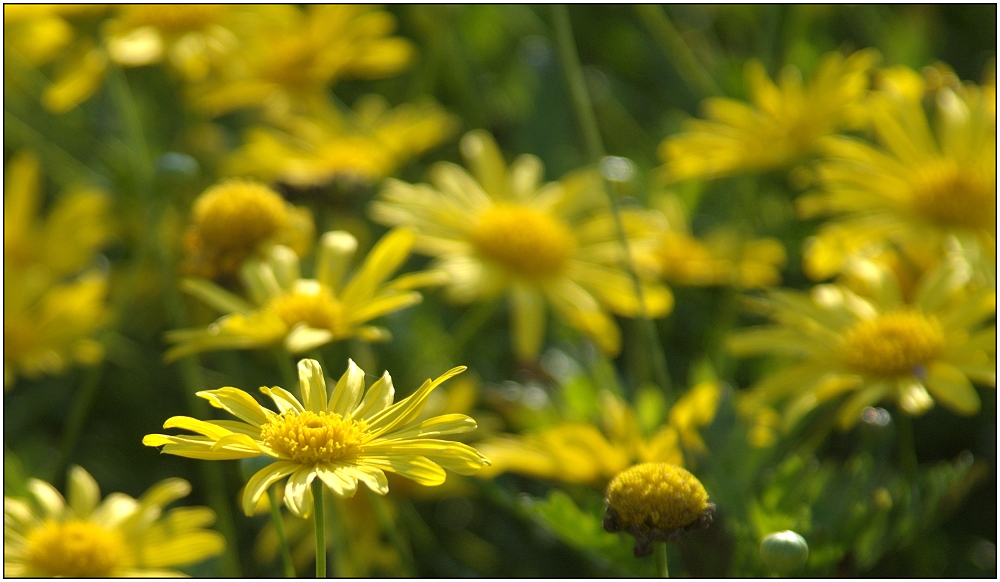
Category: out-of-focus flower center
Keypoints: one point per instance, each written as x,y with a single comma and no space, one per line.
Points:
172,17
893,344
310,437
75,549
524,240
320,311
948,196
239,215
657,495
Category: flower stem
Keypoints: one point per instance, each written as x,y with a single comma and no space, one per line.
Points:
660,555
279,528
78,418
676,49
596,152
320,519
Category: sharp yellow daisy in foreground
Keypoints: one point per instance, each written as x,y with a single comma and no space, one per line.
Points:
504,232
119,537
302,314
919,185
877,346
784,123
341,437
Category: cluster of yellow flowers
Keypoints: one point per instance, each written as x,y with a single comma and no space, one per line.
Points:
911,237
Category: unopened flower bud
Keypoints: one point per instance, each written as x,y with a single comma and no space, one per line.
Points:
784,551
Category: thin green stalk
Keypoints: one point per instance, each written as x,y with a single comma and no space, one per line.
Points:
78,418
596,152
287,368
320,518
660,555
907,452
279,528
676,49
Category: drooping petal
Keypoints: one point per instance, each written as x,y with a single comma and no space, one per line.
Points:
303,338
451,455
951,388
372,477
439,425
263,479
201,427
196,447
298,497
340,482
419,469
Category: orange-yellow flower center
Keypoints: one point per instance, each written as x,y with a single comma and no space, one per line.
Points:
950,196
75,549
320,311
657,495
523,240
310,437
892,344
239,215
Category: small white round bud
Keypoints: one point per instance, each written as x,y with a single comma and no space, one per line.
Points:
784,551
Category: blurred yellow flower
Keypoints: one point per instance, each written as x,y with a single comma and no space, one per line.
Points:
875,347
784,123
505,232
54,300
119,538
365,145
37,35
579,452
289,56
721,258
238,219
303,314
342,437
191,37
918,186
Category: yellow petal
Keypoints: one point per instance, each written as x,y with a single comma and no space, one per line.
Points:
263,479
387,255
378,397
236,402
528,312
50,500
298,497
407,410
283,399
347,394
84,494
340,482
312,386
951,388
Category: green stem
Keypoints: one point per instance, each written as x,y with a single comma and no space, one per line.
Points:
471,322
676,49
78,418
287,368
907,452
660,555
279,528
596,152
320,519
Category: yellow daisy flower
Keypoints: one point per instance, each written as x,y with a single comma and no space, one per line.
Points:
579,452
53,302
119,538
784,123
191,37
876,346
289,56
342,437
364,146
303,314
505,232
237,219
918,186
721,258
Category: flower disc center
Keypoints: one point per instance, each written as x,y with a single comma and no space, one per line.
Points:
309,437
239,215
893,344
318,310
950,196
75,549
657,495
524,240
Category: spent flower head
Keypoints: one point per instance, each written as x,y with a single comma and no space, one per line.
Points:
656,502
